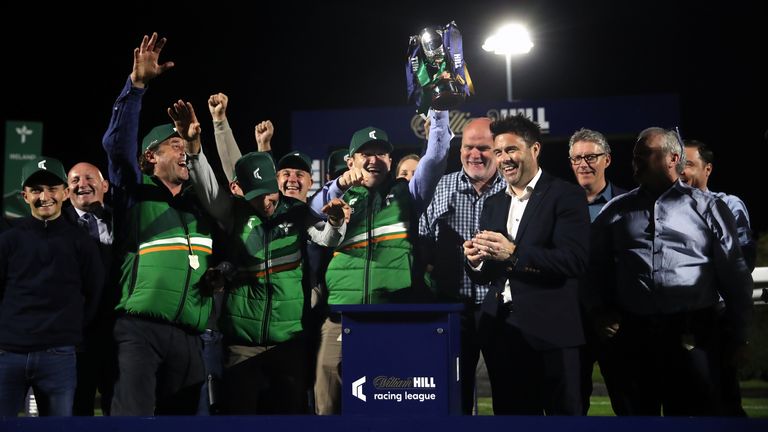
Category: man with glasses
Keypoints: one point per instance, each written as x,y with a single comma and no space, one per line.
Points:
590,154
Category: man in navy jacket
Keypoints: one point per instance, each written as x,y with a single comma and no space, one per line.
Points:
533,245
50,281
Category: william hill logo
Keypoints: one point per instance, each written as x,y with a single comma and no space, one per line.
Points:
390,382
424,382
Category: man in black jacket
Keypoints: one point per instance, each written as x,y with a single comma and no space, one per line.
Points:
533,245
50,279
96,356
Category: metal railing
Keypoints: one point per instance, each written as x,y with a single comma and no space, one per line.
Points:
760,291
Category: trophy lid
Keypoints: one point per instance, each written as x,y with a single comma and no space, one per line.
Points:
432,44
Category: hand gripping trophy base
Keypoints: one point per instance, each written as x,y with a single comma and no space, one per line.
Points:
447,94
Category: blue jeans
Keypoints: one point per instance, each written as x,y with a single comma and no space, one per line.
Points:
212,357
52,374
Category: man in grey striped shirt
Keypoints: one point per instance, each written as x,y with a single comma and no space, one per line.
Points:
451,219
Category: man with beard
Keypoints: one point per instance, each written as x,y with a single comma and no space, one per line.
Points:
533,245
95,356
374,264
50,280
451,219
662,255
163,250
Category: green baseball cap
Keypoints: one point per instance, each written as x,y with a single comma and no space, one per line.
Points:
368,135
158,135
337,162
43,167
296,160
255,173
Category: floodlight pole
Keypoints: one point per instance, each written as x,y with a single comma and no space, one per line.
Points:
509,77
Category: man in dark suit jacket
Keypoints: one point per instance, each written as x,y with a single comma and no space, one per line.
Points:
590,156
533,244
95,356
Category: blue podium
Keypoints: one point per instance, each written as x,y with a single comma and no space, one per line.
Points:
400,359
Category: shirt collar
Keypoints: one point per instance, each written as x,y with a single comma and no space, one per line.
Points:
605,195
468,181
528,188
100,213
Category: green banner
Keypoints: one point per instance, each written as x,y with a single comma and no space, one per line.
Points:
23,142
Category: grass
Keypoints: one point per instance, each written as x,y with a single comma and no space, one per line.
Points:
601,406
756,407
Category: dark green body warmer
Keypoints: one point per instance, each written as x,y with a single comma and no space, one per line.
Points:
165,248
266,303
374,262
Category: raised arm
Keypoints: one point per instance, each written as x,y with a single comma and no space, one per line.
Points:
217,201
120,141
146,66
186,124
432,166
226,145
264,132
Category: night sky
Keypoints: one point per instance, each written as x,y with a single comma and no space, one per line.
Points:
66,72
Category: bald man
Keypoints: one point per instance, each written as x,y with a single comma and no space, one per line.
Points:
451,218
95,357
87,187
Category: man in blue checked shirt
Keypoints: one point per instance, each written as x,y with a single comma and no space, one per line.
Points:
451,219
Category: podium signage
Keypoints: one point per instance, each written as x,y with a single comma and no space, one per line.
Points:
400,359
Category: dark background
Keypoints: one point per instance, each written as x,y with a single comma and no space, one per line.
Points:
64,68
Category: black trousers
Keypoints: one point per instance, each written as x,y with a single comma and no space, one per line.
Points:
729,374
96,370
160,369
526,381
266,379
670,364
604,352
471,345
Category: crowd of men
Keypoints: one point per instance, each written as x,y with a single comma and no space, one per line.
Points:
170,294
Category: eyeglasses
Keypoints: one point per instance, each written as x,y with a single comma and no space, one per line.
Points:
589,158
